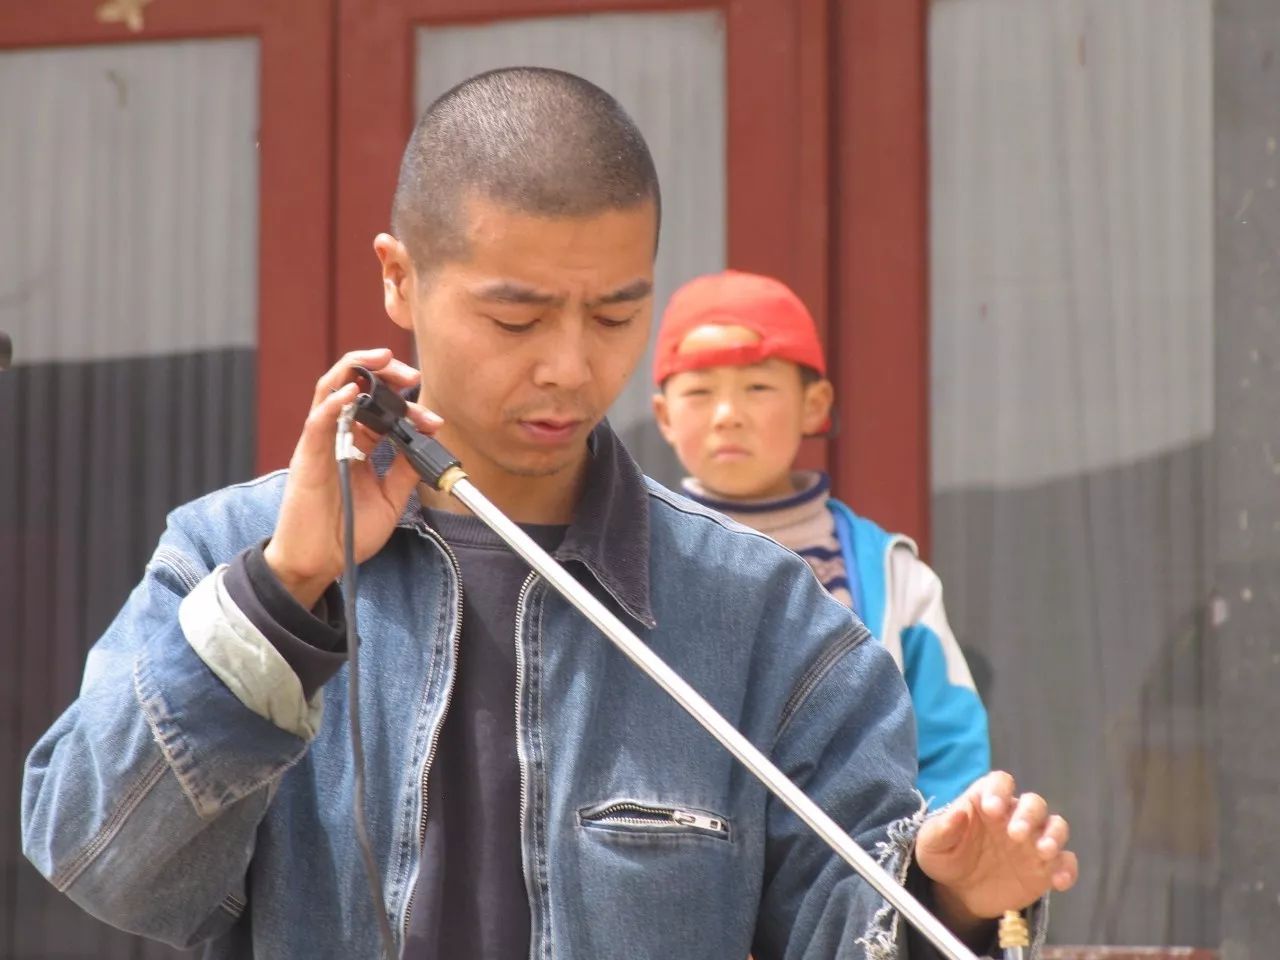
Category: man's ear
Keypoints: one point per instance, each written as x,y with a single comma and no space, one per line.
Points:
663,416
818,398
398,279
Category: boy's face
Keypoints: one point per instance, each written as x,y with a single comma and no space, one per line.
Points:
526,340
738,429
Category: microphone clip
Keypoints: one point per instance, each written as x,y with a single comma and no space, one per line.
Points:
384,411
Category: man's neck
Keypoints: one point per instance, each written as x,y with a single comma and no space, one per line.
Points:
547,499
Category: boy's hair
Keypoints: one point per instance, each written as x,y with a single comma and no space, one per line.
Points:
543,141
808,375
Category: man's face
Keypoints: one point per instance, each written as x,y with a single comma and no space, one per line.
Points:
526,340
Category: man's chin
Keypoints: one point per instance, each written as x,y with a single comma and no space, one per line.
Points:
543,464
535,471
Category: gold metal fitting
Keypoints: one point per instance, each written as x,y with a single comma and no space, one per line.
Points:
449,478
1014,931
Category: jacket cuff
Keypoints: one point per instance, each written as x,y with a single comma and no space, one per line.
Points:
890,936
312,642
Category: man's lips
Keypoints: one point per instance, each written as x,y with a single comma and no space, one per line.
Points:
549,429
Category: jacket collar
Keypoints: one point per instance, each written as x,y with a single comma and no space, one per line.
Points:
609,533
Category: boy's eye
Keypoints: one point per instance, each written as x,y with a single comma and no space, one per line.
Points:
760,386
695,392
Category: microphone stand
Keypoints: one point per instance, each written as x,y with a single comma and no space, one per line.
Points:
383,410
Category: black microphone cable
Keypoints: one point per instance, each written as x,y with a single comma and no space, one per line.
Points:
345,450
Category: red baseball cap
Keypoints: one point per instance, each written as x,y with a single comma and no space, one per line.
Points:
766,306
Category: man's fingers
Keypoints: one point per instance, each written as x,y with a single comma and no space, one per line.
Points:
1054,839
1028,816
317,432
953,825
995,794
397,374
942,833
1001,784
399,483
365,439
340,372
1065,872
425,420
325,416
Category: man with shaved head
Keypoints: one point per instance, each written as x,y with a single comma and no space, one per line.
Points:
529,793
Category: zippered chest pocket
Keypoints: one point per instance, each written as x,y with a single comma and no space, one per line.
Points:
654,819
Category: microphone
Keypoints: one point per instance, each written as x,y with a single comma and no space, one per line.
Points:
6,351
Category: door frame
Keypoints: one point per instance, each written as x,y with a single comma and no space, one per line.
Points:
294,180
880,257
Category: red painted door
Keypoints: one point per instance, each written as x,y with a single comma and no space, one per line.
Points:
770,67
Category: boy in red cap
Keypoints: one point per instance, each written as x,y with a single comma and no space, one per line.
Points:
742,380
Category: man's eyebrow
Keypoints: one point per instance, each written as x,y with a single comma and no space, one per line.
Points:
507,291
636,290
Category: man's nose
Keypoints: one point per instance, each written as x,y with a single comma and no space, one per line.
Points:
567,362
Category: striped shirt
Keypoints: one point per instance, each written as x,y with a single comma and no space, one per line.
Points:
799,521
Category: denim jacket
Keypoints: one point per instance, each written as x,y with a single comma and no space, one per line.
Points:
191,795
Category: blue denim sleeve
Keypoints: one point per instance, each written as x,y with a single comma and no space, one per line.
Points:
142,801
847,739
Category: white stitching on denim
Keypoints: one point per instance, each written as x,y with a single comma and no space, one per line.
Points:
178,565
818,671
691,509
813,676
137,793
158,737
259,481
190,790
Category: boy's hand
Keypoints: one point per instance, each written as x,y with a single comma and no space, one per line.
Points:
305,551
991,851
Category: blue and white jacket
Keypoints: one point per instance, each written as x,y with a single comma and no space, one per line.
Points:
899,598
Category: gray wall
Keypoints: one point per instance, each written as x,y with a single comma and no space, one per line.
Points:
128,278
1073,391
1246,451
1106,394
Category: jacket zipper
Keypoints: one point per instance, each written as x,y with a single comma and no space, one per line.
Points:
642,814
521,604
435,736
